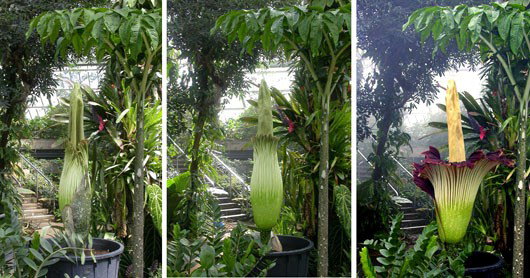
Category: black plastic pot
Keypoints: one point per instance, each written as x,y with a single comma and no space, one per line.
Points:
293,260
483,265
106,265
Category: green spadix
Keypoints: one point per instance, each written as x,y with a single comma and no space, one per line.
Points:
266,187
453,184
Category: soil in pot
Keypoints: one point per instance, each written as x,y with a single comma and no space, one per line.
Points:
107,254
293,261
484,265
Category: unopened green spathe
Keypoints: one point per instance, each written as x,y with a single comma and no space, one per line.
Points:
75,168
266,187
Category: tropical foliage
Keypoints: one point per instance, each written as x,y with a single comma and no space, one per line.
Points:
26,72
396,74
427,258
238,255
319,35
212,68
490,29
131,36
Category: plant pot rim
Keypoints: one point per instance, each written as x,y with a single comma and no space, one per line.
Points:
292,252
496,265
99,257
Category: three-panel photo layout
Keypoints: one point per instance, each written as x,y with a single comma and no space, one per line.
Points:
187,138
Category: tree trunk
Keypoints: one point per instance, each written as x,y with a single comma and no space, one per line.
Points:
137,237
382,138
323,192
501,243
194,170
197,138
7,119
15,101
520,203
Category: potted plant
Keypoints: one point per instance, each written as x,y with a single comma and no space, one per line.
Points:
453,185
266,197
88,257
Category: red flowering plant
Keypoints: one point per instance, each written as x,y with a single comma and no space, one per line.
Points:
453,184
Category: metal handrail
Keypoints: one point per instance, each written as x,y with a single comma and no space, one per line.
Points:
38,171
232,172
36,168
219,160
189,159
371,165
397,161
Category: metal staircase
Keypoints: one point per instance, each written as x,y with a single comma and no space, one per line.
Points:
35,215
414,218
231,209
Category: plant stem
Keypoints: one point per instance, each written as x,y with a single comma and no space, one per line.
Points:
520,190
138,197
307,62
265,236
520,203
139,186
323,191
506,67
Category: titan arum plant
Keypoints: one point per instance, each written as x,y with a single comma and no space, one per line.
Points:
453,184
266,187
74,187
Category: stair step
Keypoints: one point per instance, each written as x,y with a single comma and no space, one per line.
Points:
27,194
36,211
407,209
220,194
40,225
413,223
223,199
26,200
411,215
412,220
228,205
38,218
30,206
413,229
234,217
231,211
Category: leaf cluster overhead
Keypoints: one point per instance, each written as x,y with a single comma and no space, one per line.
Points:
502,23
316,25
133,30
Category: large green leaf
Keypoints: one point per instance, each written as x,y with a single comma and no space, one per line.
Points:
366,263
154,205
516,33
112,22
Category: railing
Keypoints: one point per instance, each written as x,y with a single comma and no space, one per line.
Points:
404,174
397,161
372,165
234,184
223,166
231,171
36,173
210,181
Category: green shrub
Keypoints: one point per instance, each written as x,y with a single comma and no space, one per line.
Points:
427,258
